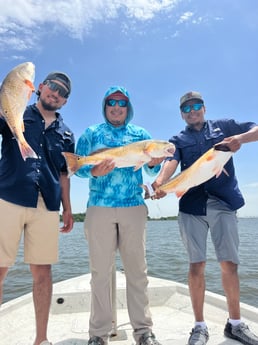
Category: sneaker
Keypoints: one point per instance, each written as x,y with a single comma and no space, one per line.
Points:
241,333
95,341
198,336
148,338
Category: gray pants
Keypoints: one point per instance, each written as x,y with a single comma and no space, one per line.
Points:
222,223
108,229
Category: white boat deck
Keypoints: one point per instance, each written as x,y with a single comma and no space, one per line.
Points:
68,323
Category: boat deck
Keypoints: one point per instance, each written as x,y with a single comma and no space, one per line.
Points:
68,323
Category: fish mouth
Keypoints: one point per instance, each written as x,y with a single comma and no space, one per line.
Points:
222,147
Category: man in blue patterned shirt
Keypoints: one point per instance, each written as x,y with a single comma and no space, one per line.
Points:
116,218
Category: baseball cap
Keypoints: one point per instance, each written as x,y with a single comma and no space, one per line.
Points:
118,94
62,77
189,96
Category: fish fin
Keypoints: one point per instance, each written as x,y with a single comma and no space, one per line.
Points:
180,193
26,151
218,172
138,165
30,84
225,172
149,148
72,162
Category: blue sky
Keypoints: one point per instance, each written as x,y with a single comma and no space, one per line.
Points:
158,50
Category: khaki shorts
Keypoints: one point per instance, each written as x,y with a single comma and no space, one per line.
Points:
38,226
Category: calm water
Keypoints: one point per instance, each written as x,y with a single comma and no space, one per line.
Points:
165,255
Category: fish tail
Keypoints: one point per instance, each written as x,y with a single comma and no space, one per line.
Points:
26,150
72,162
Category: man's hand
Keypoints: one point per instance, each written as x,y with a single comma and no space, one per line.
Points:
158,193
103,168
67,222
233,143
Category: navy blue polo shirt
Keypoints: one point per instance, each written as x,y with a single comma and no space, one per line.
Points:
190,145
21,181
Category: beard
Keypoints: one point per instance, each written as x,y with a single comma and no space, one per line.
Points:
48,107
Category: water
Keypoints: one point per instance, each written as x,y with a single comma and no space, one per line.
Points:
166,258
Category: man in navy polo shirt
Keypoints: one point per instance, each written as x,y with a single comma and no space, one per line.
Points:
31,192
211,205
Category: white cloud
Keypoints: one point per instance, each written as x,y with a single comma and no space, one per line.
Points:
24,23
185,17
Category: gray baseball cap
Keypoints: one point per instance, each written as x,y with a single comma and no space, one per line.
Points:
62,77
189,96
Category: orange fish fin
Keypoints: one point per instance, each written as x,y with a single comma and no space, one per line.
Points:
30,84
180,193
148,149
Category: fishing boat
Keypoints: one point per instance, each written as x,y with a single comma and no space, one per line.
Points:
69,316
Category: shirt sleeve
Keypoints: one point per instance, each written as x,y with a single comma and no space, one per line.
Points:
83,148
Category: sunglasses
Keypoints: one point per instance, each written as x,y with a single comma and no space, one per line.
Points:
121,102
187,108
57,87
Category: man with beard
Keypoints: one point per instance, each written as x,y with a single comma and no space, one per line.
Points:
31,192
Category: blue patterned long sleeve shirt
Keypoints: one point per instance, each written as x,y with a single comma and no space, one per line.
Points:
122,186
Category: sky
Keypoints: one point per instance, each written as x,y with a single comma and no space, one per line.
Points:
158,50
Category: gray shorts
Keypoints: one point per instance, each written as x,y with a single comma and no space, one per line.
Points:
222,223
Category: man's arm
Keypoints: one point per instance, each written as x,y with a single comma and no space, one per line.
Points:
234,143
167,170
66,203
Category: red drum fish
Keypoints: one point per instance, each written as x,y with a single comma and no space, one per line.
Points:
15,92
210,164
132,155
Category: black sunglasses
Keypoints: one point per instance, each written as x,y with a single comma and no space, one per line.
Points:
57,87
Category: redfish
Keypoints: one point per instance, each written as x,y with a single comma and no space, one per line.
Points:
15,92
132,155
210,164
